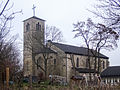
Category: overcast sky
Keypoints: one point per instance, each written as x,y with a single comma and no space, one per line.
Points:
59,13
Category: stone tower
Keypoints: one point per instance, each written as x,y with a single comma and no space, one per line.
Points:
33,39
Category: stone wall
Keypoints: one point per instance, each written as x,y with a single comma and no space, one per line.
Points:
82,64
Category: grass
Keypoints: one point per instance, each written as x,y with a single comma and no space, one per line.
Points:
45,86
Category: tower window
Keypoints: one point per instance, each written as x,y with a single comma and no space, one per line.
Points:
27,27
54,61
38,27
77,62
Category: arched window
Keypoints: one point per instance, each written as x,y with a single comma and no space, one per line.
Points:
77,62
38,27
38,62
103,64
87,64
27,27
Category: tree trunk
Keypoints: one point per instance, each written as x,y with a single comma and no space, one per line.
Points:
73,63
30,82
89,63
45,69
1,83
99,61
95,64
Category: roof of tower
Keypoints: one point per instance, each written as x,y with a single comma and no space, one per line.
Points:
34,18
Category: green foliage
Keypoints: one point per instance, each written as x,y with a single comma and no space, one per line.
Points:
25,84
45,82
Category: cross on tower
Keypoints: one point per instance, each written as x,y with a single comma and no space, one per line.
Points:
33,10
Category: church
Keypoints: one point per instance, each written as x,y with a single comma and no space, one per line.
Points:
53,58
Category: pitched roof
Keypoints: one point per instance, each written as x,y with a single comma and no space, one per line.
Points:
111,71
76,50
34,18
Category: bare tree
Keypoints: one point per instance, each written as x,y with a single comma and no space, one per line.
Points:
8,53
96,37
103,38
6,17
54,34
9,57
84,31
109,11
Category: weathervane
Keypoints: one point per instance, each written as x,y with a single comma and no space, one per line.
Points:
33,10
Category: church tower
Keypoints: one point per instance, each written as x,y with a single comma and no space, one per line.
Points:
34,28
